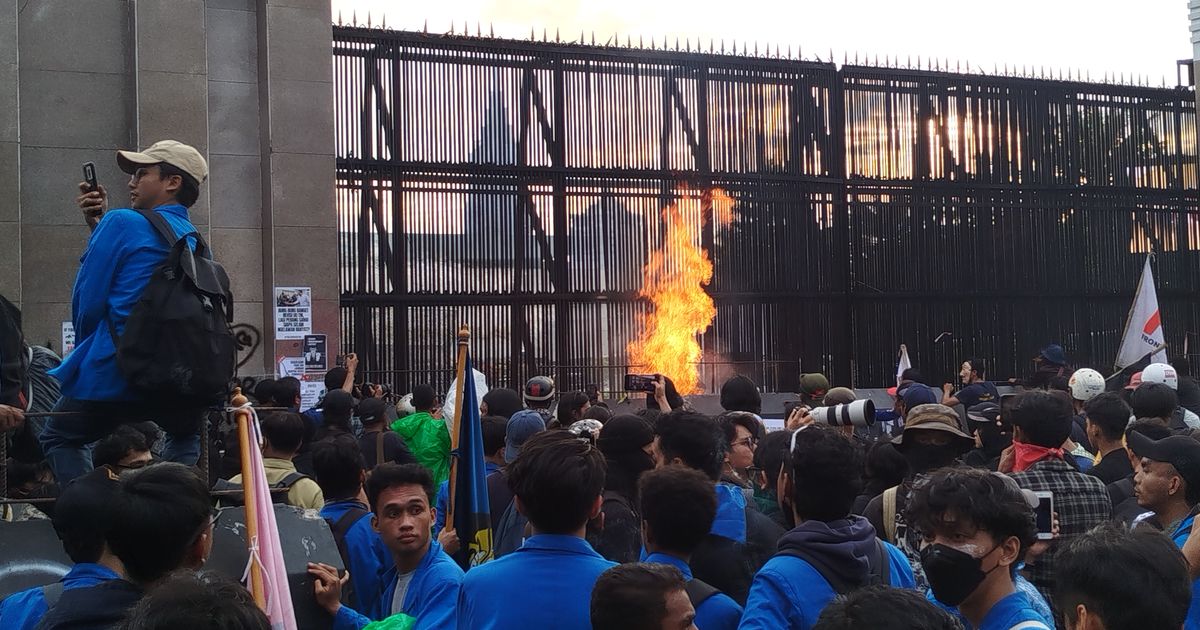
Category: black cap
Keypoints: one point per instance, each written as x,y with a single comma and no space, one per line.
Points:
1180,451
984,412
372,410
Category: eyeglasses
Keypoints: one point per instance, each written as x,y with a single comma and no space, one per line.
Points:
748,442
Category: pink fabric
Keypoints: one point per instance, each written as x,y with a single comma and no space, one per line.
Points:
269,551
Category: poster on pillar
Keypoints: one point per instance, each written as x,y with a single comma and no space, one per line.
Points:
293,312
315,357
68,338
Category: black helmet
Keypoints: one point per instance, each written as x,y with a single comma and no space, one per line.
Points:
539,388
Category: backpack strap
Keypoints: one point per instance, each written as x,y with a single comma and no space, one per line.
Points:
52,592
379,447
698,591
881,571
160,225
889,514
289,480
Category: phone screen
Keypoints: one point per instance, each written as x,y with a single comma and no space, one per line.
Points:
1045,515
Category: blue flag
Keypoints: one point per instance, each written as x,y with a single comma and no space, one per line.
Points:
472,516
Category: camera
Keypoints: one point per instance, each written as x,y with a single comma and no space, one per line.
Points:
860,413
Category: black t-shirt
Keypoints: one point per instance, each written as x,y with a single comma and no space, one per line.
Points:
976,393
395,451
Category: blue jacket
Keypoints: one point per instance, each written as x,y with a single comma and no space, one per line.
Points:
443,497
431,598
1180,536
1013,610
718,612
368,557
23,610
788,592
115,268
1024,587
547,583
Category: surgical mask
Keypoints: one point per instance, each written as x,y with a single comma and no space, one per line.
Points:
953,574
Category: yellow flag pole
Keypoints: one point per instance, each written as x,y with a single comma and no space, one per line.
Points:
245,444
464,340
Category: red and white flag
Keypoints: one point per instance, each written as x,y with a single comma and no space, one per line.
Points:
902,364
1143,329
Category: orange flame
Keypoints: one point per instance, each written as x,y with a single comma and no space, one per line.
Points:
674,280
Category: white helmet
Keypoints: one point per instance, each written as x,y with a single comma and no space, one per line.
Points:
1161,373
1086,384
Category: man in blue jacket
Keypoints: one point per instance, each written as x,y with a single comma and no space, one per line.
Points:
678,506
831,551
82,517
121,255
422,581
338,466
558,480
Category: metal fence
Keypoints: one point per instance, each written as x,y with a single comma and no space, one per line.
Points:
517,187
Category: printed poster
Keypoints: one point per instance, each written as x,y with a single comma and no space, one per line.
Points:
293,312
68,338
291,366
315,357
310,393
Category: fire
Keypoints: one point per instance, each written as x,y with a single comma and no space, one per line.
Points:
674,280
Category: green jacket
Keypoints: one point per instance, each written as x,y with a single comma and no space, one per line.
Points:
429,441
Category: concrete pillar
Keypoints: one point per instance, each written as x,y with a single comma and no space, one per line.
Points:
247,82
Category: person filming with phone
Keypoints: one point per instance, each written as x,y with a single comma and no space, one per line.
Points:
122,254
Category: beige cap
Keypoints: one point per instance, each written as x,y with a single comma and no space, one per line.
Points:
934,417
177,154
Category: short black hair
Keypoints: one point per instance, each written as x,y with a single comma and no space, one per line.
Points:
1044,418
885,464
633,596
731,420
423,398
83,514
1154,400
189,190
771,453
385,476
978,365
674,400
121,442
188,600
1108,413
569,403
739,393
286,391
826,473
335,378
989,501
694,438
160,513
1129,579
598,412
1153,428
284,430
884,608
914,375
679,504
337,466
557,478
264,392
494,430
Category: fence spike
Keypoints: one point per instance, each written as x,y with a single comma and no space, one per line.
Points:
354,17
369,19
722,45
876,60
712,46
491,29
789,51
593,38
531,34
384,24
339,17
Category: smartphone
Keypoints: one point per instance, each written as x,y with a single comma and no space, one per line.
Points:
89,176
1045,514
640,382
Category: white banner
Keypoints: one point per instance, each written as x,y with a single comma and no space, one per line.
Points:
1143,328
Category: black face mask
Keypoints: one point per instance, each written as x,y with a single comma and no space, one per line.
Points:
953,575
926,457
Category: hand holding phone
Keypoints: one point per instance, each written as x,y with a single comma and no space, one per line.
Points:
93,198
1045,515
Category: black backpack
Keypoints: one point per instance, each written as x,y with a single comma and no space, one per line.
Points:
236,498
14,358
339,529
178,346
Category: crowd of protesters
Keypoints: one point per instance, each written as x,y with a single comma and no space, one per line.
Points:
1069,503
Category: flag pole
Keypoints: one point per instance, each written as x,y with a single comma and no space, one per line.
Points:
464,339
1129,316
245,444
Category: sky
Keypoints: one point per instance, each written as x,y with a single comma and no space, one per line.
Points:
1094,36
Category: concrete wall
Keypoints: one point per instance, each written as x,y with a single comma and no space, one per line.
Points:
247,82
